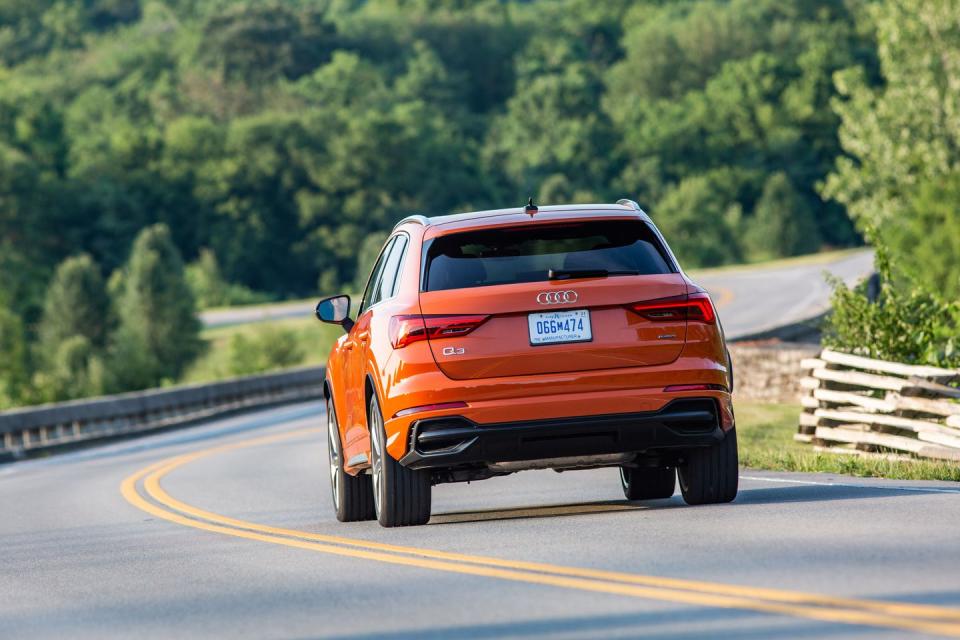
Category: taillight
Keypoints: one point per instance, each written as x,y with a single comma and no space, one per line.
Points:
695,307
405,330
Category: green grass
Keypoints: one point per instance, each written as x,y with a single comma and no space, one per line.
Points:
314,338
765,439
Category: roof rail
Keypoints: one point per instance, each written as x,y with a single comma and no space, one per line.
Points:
419,219
623,202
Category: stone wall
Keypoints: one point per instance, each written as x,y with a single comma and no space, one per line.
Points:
769,371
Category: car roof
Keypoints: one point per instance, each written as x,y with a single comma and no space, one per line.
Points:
583,210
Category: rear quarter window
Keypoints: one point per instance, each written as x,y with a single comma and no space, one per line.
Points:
528,253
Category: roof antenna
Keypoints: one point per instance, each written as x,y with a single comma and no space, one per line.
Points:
530,208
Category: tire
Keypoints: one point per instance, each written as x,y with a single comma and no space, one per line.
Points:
710,474
401,495
352,495
647,483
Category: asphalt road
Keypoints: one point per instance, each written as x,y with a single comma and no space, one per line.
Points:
227,530
755,299
750,299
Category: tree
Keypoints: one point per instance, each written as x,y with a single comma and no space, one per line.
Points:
903,141
927,237
905,132
783,223
366,258
696,215
209,287
14,374
73,332
158,335
76,304
74,370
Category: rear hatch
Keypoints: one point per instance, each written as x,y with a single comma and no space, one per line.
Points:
551,298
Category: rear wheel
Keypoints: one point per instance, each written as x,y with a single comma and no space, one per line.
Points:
710,474
647,483
352,495
401,495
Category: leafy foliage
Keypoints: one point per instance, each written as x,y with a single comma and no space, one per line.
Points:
77,304
901,181
903,140
277,140
784,223
14,375
268,349
158,334
297,129
904,324
209,288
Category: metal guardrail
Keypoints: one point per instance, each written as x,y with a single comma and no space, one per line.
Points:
53,425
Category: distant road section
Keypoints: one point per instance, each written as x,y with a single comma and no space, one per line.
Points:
759,298
256,313
751,299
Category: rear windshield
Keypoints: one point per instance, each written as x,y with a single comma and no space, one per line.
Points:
529,253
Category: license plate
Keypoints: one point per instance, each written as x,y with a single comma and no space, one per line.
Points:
559,326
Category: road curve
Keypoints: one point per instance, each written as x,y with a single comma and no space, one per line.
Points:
750,299
227,530
758,298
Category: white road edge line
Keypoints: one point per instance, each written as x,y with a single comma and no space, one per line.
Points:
852,486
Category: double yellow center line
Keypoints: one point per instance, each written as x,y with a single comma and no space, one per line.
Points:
143,490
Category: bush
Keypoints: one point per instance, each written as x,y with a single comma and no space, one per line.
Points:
906,323
74,371
267,349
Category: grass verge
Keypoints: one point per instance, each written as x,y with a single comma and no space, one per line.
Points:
765,439
310,339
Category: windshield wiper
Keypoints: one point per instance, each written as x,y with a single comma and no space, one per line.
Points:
568,274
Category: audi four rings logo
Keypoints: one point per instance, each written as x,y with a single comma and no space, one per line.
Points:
557,297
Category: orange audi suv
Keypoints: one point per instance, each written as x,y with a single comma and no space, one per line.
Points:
562,337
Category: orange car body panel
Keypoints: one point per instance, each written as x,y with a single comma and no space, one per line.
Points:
506,381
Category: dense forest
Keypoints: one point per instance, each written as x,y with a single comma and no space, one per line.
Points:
261,148
278,135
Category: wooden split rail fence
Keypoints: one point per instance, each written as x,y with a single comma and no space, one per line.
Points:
853,404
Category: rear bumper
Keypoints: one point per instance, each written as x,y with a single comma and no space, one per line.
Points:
454,441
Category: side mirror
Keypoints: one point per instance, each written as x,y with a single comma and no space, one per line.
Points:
335,310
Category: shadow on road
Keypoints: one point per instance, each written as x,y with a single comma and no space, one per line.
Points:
824,493
751,496
549,511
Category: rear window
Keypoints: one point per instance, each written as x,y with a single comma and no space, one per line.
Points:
529,253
